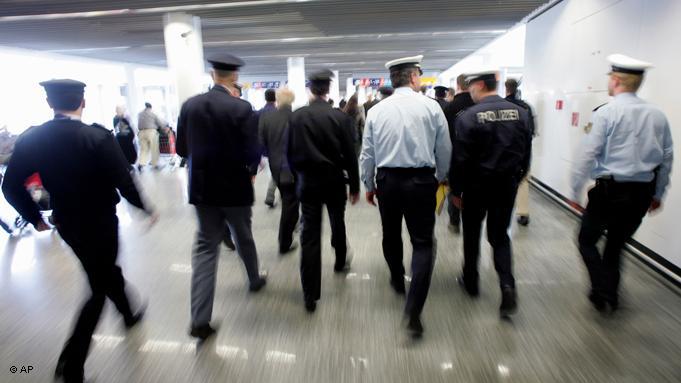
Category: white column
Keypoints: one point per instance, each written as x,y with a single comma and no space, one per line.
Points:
334,92
349,88
296,80
134,105
184,53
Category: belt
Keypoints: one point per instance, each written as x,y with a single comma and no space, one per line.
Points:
415,171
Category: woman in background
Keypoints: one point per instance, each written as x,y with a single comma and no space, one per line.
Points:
356,111
125,135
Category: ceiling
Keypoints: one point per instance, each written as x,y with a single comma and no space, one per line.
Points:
351,36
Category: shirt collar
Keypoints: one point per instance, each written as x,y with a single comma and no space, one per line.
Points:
404,90
627,95
66,116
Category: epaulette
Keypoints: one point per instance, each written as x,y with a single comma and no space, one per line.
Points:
599,106
96,125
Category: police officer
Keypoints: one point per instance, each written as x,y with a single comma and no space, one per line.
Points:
629,152
321,149
219,134
82,167
523,198
462,101
491,155
441,95
407,139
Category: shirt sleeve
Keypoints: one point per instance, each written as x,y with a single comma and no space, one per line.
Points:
367,157
19,169
666,166
593,145
115,166
443,146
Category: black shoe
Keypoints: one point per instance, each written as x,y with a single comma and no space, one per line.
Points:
597,301
348,262
293,246
415,328
202,332
136,317
509,304
470,288
310,306
229,243
256,286
270,204
59,371
398,286
523,220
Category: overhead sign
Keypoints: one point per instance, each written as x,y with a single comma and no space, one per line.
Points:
266,84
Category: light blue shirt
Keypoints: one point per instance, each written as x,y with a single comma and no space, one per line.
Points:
405,130
629,140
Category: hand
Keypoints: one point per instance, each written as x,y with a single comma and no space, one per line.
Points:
41,225
370,197
458,202
654,205
153,219
354,197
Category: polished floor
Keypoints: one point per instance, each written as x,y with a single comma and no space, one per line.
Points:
356,333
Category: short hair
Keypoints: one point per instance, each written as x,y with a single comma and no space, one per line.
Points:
630,82
320,88
511,85
270,95
461,82
440,92
66,101
401,77
147,105
491,83
221,73
285,97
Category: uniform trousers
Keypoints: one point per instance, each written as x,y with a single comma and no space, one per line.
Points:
95,242
148,146
454,212
619,208
409,194
210,233
314,193
493,198
290,212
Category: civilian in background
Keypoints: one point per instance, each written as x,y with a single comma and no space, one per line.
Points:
148,124
274,133
270,106
356,112
125,135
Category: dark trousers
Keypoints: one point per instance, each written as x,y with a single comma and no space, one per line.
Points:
409,193
618,208
290,212
311,260
494,199
96,246
454,212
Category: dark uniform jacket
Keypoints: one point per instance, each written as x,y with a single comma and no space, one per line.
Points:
80,165
218,133
459,104
273,128
530,115
443,103
493,141
321,148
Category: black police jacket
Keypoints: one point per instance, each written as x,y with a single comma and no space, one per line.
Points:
218,133
493,142
321,149
80,165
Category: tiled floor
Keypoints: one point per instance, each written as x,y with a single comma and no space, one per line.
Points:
356,333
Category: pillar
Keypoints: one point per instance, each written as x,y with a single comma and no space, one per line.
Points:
184,53
296,80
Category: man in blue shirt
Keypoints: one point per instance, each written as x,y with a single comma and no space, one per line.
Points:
629,152
407,139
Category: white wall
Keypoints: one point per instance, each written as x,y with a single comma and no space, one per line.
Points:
565,59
